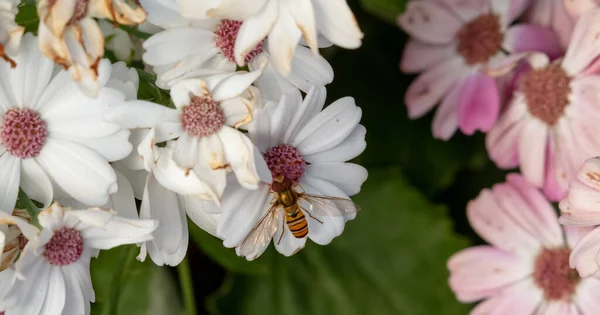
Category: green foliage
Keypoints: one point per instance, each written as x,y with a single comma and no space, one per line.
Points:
387,10
27,16
390,260
125,286
226,257
148,91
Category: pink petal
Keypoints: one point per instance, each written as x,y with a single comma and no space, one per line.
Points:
532,151
585,254
522,298
582,205
432,85
588,296
503,140
593,69
578,8
585,43
530,209
429,22
554,15
500,65
479,104
529,37
418,56
561,308
566,152
495,225
551,188
482,271
445,121
575,233
467,10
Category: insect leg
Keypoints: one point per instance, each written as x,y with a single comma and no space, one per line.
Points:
310,215
282,231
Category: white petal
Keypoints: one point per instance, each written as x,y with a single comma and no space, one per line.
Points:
112,148
185,152
254,30
283,39
196,210
10,175
55,299
337,23
117,231
239,152
79,171
346,176
35,183
329,128
122,201
178,179
350,148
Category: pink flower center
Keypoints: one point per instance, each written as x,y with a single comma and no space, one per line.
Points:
285,160
226,34
547,92
480,39
64,248
203,117
23,133
553,274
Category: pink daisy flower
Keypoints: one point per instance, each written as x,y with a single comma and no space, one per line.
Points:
551,124
526,269
460,46
581,207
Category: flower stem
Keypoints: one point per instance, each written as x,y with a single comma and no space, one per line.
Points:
187,287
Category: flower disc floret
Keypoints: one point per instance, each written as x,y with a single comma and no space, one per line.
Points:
64,248
23,133
203,117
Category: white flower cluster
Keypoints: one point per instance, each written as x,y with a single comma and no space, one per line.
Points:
249,156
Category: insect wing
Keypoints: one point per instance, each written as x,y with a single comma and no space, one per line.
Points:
331,206
261,235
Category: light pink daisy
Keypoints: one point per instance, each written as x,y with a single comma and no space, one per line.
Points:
581,207
460,46
525,270
551,124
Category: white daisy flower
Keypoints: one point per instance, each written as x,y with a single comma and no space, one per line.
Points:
69,34
204,121
57,262
10,32
203,47
285,22
54,139
305,146
171,238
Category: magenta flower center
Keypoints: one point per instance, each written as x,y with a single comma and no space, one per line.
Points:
23,133
203,117
285,160
547,92
64,248
226,34
480,39
553,274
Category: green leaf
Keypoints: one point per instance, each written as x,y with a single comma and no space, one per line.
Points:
226,257
24,202
125,286
373,76
390,260
148,91
386,10
27,16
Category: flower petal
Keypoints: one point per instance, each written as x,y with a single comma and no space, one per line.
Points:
479,104
584,256
429,22
10,176
336,22
35,183
532,151
418,56
585,43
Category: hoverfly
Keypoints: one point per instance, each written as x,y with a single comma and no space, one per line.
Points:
288,199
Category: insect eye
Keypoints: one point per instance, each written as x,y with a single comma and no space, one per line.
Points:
277,186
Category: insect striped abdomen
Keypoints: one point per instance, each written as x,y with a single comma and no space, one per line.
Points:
297,223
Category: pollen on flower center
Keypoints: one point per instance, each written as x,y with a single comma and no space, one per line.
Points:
23,133
226,35
285,160
480,39
203,117
553,274
547,92
64,248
